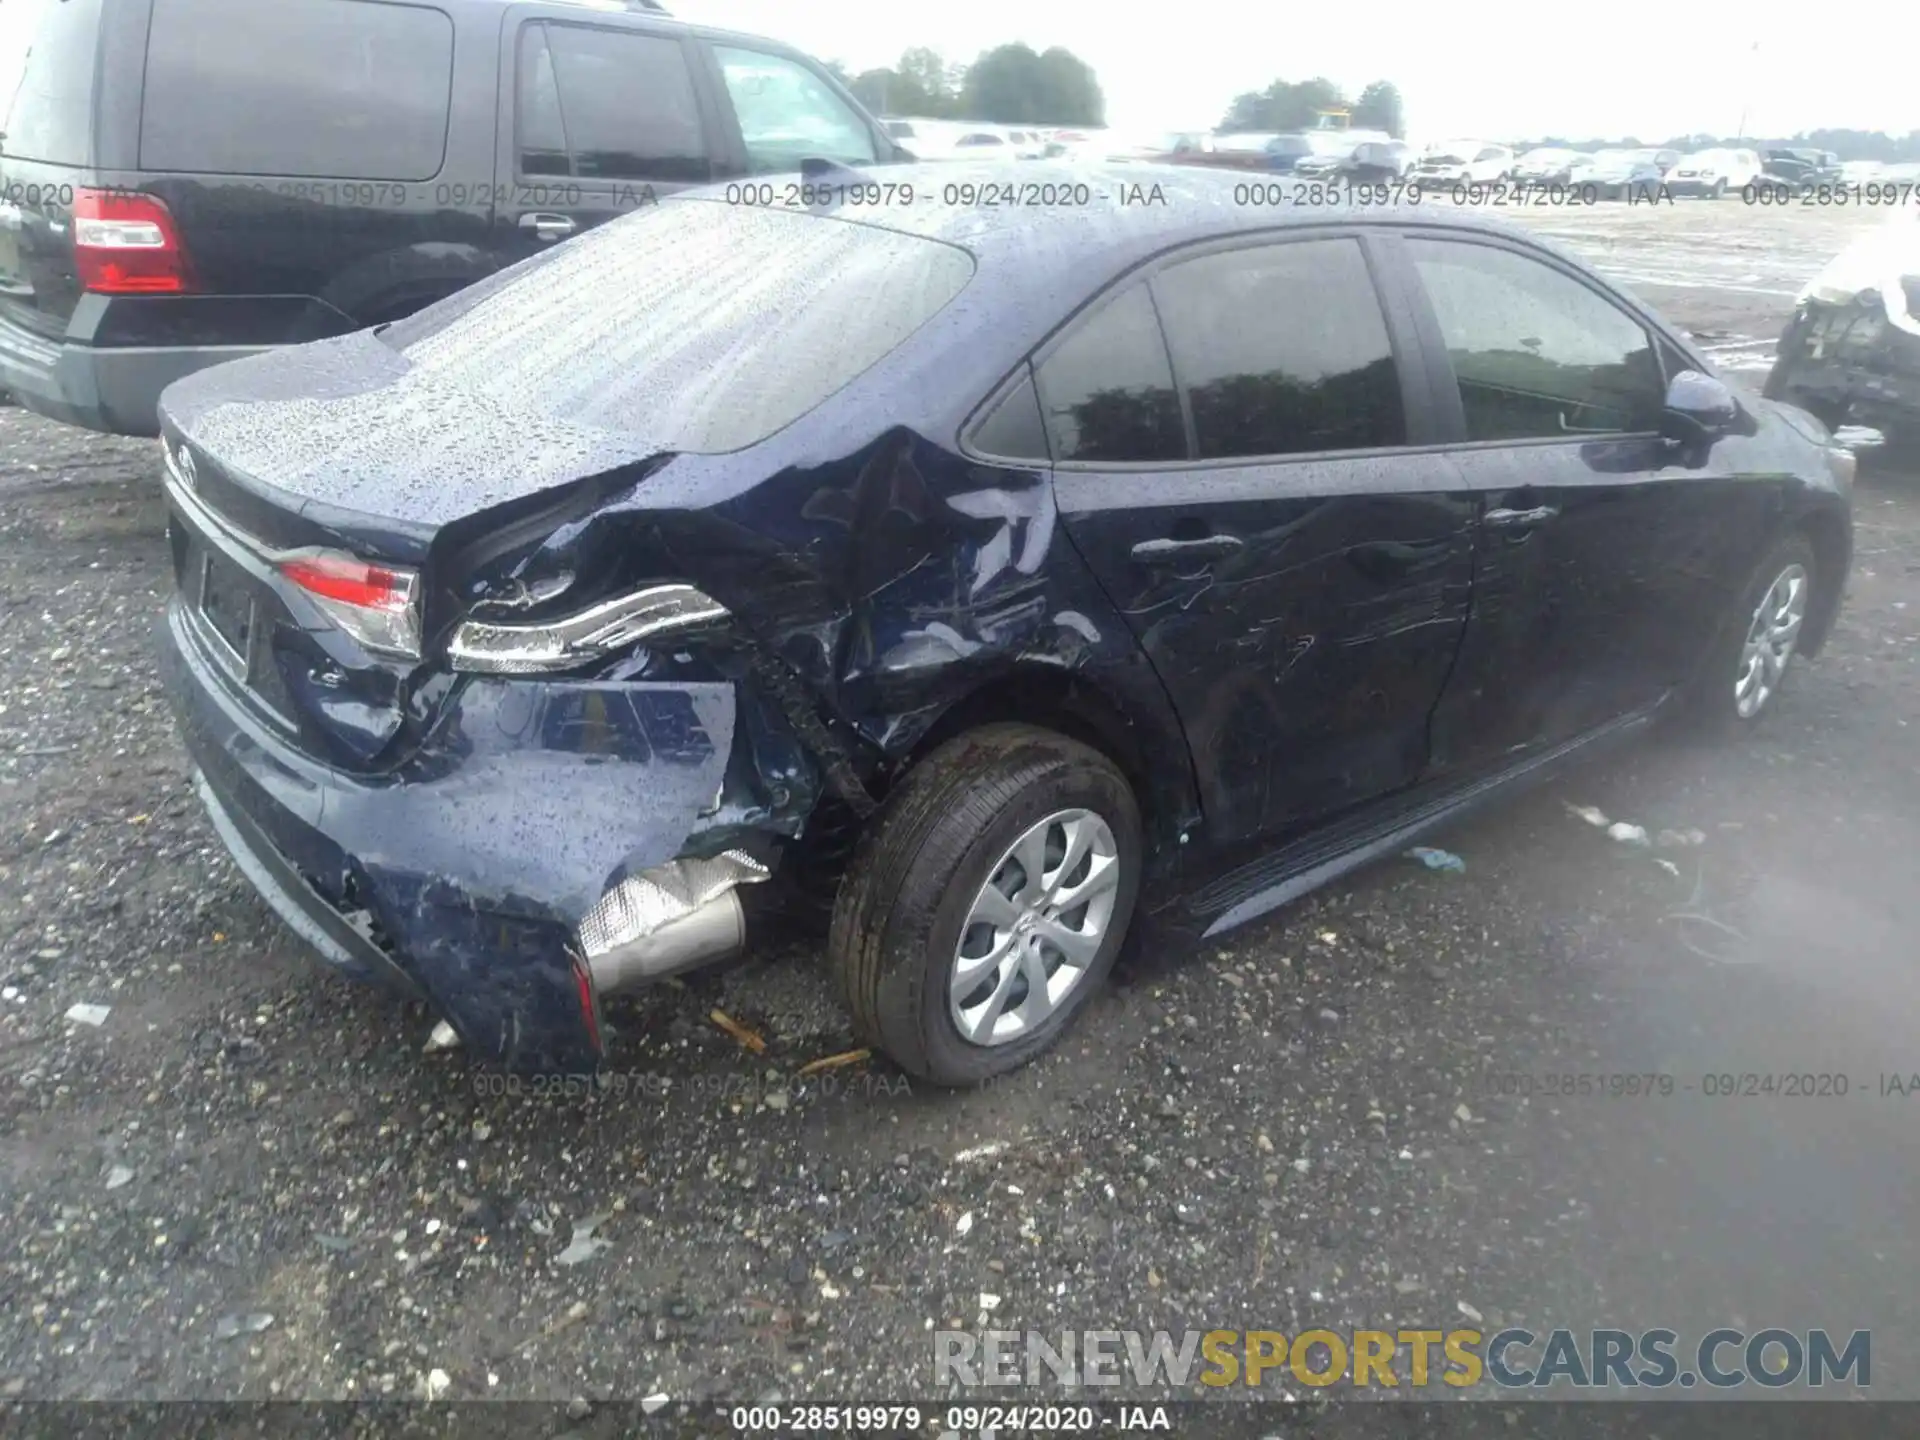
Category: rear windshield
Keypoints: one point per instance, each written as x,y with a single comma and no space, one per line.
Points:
48,55
699,326
355,90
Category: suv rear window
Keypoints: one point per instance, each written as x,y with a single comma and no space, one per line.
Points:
47,66
355,90
698,326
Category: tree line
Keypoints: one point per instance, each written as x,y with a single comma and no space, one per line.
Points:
1008,85
1015,84
1285,106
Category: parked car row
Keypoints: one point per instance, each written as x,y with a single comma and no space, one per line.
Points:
1635,173
966,139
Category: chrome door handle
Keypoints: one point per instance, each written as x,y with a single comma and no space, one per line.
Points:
548,227
1521,519
1206,547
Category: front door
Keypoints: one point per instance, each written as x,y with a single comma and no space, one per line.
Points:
1601,560
1233,459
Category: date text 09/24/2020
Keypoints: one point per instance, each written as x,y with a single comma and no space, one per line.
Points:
1719,1084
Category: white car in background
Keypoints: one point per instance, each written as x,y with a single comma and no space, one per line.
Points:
965,139
1714,173
1473,162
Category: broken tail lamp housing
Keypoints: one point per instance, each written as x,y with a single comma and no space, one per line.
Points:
536,647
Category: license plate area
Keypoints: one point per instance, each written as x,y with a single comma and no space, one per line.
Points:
226,604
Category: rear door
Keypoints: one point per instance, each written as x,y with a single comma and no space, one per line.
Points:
1239,458
1601,560
598,118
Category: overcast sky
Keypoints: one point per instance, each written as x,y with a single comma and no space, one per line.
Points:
1495,68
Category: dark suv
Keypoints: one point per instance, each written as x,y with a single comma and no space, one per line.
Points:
184,182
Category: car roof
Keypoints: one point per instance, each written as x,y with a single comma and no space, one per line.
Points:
617,9
1053,244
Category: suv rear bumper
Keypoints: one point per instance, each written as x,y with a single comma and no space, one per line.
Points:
112,389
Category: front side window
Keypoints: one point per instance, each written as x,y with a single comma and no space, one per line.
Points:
1107,391
1536,353
1282,350
789,114
608,105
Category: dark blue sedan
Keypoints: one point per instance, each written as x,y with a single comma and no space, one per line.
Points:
1007,564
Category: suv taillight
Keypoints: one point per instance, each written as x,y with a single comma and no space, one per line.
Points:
125,243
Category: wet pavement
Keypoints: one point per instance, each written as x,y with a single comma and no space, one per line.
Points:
1398,1102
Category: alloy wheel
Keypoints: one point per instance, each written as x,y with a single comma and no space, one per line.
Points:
1771,636
1034,928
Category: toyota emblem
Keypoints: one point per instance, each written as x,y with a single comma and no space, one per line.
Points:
184,463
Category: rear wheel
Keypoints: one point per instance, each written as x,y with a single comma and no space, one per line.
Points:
985,905
1742,676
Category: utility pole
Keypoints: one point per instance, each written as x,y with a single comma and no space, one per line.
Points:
1746,91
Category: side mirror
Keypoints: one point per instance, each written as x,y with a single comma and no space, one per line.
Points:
1699,409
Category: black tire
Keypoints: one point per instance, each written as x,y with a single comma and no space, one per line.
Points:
941,836
1711,701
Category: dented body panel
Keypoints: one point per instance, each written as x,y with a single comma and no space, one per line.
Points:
883,586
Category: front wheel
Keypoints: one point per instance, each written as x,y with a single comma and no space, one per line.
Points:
1741,678
985,906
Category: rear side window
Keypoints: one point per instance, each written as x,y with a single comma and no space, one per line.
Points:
343,88
789,114
48,50
1282,350
608,105
657,325
1536,353
1107,391
1014,428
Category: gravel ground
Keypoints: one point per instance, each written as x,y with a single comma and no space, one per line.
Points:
1305,1126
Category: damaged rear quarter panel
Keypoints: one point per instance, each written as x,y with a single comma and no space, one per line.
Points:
896,582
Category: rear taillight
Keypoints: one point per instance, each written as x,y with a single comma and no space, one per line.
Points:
375,604
125,243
